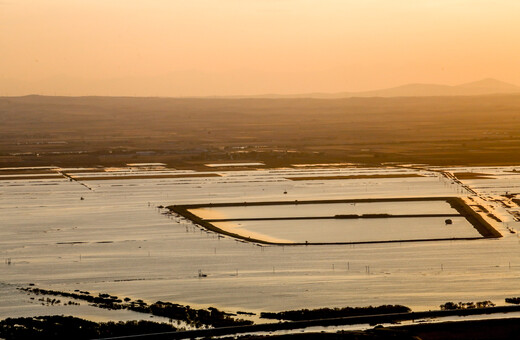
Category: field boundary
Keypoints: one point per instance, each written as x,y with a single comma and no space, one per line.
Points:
457,203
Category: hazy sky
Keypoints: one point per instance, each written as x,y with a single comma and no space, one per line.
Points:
222,47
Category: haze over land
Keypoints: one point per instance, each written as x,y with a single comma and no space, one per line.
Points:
481,87
186,133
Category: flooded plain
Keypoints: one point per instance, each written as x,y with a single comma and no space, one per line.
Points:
353,230
108,236
325,209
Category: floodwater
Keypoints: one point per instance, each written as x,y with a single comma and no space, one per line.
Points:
116,241
227,165
326,209
352,230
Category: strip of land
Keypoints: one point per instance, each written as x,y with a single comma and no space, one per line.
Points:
294,325
101,178
482,226
27,177
328,217
478,222
316,178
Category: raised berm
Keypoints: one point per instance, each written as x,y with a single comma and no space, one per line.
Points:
349,221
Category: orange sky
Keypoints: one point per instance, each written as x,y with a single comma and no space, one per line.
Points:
223,47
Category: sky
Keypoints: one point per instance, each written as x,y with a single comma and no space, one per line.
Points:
242,47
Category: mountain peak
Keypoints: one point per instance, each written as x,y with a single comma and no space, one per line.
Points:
486,86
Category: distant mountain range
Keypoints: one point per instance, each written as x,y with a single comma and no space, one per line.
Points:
482,87
163,86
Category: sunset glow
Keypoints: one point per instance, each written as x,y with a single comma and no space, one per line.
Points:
228,47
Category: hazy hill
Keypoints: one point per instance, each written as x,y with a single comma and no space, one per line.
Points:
164,86
481,87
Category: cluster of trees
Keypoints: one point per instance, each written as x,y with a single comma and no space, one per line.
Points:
515,300
52,302
324,313
466,305
194,317
102,300
68,327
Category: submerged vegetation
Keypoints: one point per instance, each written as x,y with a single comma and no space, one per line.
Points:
466,305
193,317
513,300
68,327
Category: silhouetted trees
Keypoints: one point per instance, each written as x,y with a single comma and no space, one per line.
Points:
68,327
323,313
466,305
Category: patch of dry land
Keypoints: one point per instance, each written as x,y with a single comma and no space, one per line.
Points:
145,176
188,133
320,178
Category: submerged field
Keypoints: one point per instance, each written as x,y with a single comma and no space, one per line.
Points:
322,222
108,236
358,230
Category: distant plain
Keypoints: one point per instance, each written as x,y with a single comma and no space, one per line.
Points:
188,132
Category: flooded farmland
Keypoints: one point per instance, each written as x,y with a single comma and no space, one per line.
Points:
108,236
329,209
354,230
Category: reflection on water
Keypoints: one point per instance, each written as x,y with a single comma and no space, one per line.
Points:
353,230
156,257
328,209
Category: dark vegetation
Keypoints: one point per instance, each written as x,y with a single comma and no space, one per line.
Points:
378,333
324,313
501,329
68,327
194,317
62,327
186,133
514,300
466,305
